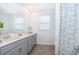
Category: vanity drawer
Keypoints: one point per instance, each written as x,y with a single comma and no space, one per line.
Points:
11,46
15,51
7,48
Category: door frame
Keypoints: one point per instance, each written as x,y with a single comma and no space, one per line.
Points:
57,28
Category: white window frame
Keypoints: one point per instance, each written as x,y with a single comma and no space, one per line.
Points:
40,23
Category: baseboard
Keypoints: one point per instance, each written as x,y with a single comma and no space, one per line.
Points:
46,43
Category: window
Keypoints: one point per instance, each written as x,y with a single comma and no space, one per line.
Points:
44,22
19,24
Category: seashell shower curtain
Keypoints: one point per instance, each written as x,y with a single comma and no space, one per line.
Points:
69,29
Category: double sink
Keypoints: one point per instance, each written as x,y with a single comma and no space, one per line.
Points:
7,37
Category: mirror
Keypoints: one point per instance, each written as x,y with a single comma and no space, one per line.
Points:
13,23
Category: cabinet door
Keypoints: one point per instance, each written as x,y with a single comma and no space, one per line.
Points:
29,44
33,40
20,50
24,48
16,51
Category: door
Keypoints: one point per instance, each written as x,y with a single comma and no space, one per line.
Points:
44,30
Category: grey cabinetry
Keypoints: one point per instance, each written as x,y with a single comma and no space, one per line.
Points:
19,50
31,41
34,40
19,47
16,48
16,51
29,44
24,47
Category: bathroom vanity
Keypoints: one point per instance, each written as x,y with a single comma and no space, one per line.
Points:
22,45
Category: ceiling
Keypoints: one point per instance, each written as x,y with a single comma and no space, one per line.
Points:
22,7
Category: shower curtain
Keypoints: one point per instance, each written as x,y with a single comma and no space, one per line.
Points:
69,29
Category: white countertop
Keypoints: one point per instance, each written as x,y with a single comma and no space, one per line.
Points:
9,41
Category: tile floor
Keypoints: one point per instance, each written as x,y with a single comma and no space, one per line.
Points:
43,50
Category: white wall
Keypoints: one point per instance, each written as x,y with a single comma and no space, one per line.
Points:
53,25
44,35
57,28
